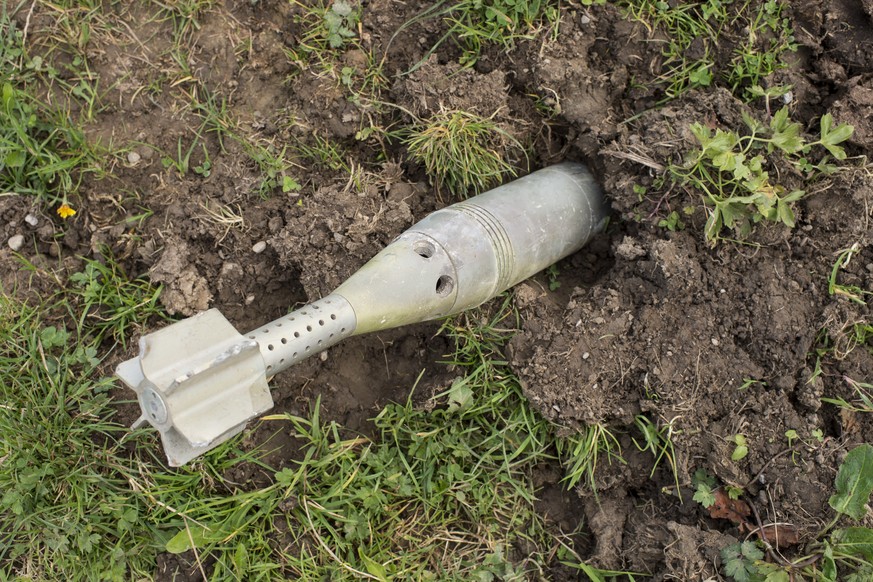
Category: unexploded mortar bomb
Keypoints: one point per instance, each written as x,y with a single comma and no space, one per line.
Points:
452,260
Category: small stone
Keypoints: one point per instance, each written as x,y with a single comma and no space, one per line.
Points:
586,355
133,158
15,242
31,220
585,19
259,247
715,341
788,98
323,356
250,299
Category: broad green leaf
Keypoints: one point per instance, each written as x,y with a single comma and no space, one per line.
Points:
826,122
704,495
289,184
756,164
863,574
194,536
15,159
460,395
836,151
838,134
828,566
856,541
854,483
286,476
773,573
753,124
342,7
701,76
713,224
741,171
373,567
725,161
8,95
831,136
241,558
723,141
756,183
739,561
786,215
701,132
780,121
789,140
727,214
794,196
740,453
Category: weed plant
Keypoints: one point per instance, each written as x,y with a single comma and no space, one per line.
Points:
329,27
853,293
694,31
732,170
185,15
582,452
844,554
658,440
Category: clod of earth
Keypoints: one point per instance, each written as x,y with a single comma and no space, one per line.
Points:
199,381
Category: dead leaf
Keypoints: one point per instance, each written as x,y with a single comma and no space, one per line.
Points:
724,507
781,536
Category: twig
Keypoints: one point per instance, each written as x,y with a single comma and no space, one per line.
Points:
24,35
760,531
196,553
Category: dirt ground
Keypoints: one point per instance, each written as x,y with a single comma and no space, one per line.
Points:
717,341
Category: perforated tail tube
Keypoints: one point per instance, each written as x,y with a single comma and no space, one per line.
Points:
306,331
199,381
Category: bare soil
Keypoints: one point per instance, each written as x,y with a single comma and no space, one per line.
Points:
718,341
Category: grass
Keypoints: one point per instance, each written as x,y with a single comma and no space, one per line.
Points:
184,16
461,152
583,451
694,32
43,154
67,512
853,293
443,491
657,438
863,401
112,304
43,149
473,25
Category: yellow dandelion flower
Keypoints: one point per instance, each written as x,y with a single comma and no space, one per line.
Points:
65,211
